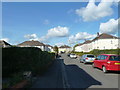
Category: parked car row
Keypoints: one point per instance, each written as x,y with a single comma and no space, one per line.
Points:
106,62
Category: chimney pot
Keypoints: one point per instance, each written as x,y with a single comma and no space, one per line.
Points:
98,34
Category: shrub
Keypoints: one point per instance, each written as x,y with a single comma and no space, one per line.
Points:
20,59
97,52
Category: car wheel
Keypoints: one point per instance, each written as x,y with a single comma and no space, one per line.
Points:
93,65
104,69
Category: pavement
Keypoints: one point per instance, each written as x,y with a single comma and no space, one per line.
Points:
53,78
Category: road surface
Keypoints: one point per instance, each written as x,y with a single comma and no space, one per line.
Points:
85,76
70,73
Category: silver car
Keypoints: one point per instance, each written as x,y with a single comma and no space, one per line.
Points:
87,58
73,56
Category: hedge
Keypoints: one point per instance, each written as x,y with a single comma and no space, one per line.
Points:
20,59
97,52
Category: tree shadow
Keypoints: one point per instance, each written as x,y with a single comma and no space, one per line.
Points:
78,78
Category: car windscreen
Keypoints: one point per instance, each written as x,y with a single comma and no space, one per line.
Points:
72,54
114,58
91,56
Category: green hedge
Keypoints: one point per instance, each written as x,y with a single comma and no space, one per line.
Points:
20,59
97,52
107,51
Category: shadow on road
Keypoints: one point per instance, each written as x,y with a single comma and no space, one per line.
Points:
78,78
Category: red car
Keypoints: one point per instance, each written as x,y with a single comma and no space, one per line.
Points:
107,62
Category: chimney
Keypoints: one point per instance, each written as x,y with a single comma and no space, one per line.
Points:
98,34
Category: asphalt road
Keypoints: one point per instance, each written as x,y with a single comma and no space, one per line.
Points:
84,76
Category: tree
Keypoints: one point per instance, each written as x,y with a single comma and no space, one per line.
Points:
55,48
74,47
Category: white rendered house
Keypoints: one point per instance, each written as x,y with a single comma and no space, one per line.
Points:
64,48
101,42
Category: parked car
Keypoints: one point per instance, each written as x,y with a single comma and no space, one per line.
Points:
87,58
107,62
73,55
68,54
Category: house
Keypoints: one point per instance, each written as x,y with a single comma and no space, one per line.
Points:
101,42
49,48
84,47
64,48
4,44
78,48
105,41
32,43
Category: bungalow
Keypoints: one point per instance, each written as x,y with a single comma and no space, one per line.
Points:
101,42
32,43
49,48
4,44
64,48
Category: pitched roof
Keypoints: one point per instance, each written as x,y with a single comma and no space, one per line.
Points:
79,44
104,36
2,42
86,42
64,46
31,43
49,45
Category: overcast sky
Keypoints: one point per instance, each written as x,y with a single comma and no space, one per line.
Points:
58,23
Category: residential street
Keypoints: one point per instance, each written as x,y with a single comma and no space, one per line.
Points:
84,76
69,73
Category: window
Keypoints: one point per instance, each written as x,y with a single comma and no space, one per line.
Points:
99,57
114,58
111,42
92,56
103,57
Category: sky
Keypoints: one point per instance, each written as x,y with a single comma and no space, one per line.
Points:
58,23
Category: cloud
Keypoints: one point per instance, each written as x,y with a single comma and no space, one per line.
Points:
94,12
80,36
72,39
110,27
46,22
52,33
55,32
44,39
30,36
5,39
58,32
59,44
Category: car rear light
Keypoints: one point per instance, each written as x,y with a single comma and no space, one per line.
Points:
86,58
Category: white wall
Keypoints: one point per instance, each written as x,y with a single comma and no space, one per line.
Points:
41,47
78,49
100,44
105,44
64,50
